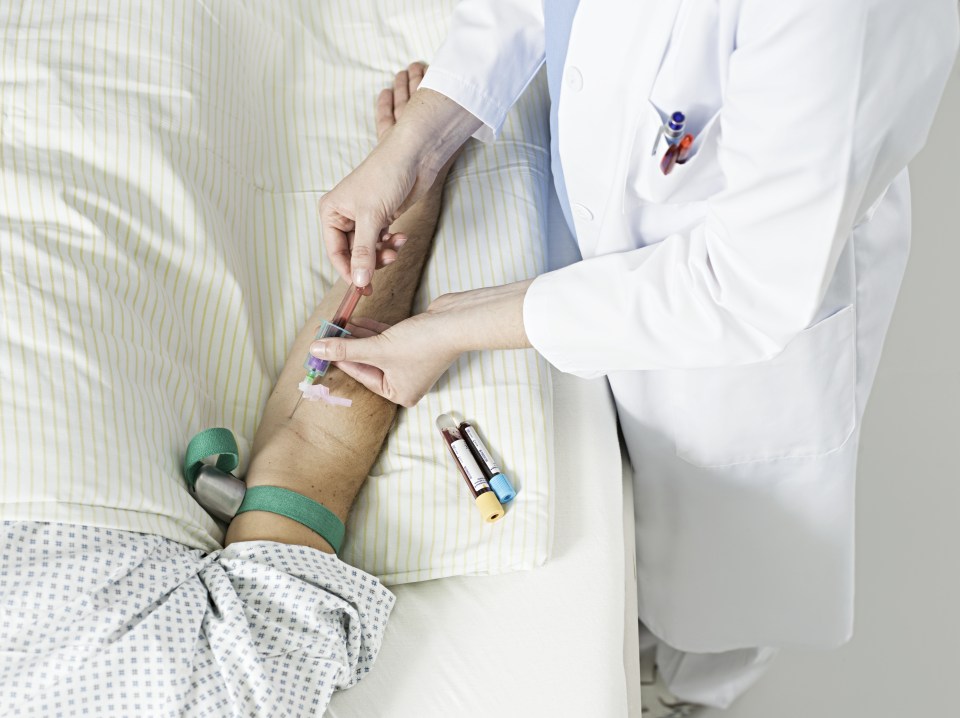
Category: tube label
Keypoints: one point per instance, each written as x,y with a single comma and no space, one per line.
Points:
482,450
470,466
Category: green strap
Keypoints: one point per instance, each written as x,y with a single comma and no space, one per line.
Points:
208,443
316,517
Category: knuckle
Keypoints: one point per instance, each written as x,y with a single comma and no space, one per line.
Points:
406,399
361,251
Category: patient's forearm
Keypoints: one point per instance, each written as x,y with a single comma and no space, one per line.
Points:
325,452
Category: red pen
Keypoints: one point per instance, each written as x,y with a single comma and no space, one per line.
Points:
676,154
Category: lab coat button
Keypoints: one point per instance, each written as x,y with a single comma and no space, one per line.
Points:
581,212
574,79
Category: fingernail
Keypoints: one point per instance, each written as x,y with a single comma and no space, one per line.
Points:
361,277
318,349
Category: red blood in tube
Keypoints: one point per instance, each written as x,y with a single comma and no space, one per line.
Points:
483,495
349,303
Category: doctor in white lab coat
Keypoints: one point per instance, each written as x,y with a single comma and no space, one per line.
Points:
737,305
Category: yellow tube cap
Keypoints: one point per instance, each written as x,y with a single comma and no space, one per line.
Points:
489,507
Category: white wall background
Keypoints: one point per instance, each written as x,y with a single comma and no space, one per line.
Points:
904,659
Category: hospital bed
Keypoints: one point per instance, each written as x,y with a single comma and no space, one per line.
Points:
560,640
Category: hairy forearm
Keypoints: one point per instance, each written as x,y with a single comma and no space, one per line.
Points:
346,436
325,452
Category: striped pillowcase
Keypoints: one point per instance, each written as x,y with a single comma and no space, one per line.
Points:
159,249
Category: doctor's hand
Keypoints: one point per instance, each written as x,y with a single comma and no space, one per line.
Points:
419,131
402,362
392,361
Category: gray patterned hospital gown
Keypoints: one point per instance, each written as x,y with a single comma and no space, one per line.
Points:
99,622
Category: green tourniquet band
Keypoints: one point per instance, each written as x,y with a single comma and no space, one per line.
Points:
208,443
316,517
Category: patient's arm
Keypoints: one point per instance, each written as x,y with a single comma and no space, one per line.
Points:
325,452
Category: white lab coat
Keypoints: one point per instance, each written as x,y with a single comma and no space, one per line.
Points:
738,306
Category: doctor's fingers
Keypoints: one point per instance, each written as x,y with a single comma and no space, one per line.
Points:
363,253
337,231
393,364
352,357
363,327
361,349
340,225
366,327
384,382
378,249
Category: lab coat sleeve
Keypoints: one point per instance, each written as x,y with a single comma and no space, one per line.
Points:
492,51
825,104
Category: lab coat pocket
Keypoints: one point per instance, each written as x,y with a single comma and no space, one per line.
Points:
801,403
695,180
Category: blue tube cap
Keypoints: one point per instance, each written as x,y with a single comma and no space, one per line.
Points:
502,488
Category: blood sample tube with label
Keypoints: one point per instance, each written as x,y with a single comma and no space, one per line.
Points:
483,495
497,479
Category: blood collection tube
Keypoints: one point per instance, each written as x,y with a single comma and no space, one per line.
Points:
347,305
334,328
483,495
315,367
497,479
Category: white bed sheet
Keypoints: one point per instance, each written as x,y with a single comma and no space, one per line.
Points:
556,641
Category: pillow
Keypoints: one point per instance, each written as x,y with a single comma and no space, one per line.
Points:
160,248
